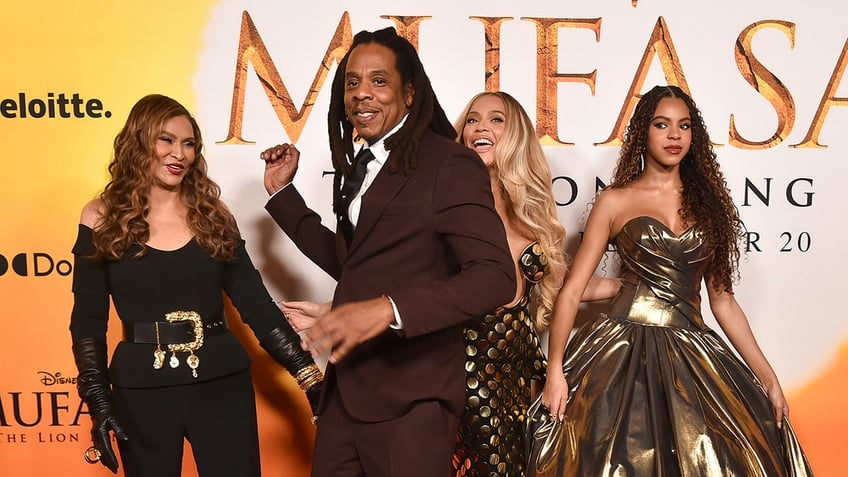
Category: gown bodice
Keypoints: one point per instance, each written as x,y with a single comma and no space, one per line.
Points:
508,333
661,274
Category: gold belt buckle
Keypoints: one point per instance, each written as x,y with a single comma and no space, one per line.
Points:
193,361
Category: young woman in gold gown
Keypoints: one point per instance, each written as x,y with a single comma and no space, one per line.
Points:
647,389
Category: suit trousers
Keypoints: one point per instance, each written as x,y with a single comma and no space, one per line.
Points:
218,417
417,444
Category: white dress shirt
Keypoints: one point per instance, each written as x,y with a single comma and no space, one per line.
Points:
381,155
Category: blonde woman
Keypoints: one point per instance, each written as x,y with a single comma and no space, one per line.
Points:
503,352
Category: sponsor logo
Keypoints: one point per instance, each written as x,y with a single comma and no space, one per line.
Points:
54,106
35,264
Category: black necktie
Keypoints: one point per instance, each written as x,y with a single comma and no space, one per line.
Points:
351,187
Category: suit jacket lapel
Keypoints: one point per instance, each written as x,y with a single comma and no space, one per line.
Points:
385,186
341,245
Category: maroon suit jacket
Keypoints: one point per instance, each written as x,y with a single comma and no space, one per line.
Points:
433,242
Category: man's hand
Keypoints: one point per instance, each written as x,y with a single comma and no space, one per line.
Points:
280,166
302,314
342,329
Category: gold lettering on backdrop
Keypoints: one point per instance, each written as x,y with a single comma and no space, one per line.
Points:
492,33
547,51
829,99
766,83
407,26
659,44
252,51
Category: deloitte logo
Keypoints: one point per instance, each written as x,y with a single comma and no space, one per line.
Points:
35,264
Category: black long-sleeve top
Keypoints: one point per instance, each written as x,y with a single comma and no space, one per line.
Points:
146,288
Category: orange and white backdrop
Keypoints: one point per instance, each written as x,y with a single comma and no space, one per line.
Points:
767,75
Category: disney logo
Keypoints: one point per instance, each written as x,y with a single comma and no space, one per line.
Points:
51,379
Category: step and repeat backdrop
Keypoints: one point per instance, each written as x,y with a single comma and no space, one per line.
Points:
767,75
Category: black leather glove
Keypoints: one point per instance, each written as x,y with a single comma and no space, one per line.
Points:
94,389
313,394
283,344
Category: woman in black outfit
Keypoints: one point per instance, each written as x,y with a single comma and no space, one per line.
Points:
162,245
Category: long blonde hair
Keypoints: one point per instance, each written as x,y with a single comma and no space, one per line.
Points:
125,197
525,179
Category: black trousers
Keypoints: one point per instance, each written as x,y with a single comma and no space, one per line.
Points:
218,417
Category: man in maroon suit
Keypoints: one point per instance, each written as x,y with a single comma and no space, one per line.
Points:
418,250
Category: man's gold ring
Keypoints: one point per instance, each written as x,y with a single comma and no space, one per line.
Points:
92,455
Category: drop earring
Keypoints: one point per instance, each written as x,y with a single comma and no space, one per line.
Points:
641,162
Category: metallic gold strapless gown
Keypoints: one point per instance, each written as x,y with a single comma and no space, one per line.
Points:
503,354
654,391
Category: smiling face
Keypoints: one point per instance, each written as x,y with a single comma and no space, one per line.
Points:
175,153
484,125
669,134
376,99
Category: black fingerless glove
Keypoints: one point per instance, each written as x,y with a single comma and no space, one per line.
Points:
94,389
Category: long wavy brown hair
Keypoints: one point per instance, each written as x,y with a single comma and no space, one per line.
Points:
125,202
706,203
525,179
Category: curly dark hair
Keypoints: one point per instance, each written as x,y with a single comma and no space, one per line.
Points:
707,203
125,202
425,111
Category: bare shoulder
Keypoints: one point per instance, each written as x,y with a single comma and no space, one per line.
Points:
609,199
613,206
91,214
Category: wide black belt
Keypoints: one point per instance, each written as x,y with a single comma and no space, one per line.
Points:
169,333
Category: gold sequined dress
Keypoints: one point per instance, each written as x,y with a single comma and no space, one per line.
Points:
654,391
503,354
